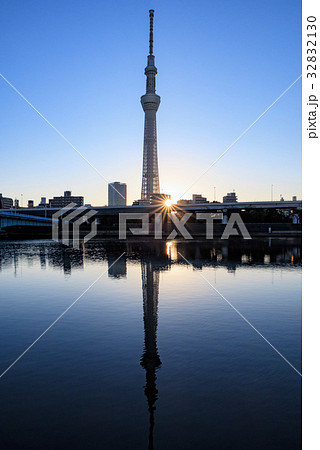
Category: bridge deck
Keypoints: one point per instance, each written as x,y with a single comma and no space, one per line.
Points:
38,213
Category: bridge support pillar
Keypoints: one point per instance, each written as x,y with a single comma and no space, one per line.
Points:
224,251
295,218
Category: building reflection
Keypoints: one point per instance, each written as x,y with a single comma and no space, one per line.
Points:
117,268
230,254
69,260
150,359
154,257
42,257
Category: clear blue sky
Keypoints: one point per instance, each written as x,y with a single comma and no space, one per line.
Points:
220,65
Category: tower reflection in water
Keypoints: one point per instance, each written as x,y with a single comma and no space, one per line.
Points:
150,359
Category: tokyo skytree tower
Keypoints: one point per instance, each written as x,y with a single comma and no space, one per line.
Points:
150,104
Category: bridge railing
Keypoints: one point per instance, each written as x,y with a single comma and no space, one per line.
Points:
13,215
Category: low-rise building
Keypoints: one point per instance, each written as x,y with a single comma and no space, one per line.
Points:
184,201
140,202
5,202
197,198
156,199
231,197
43,203
61,202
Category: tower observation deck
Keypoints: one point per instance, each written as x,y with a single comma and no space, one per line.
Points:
150,102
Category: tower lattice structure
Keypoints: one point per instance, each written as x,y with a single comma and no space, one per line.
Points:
150,103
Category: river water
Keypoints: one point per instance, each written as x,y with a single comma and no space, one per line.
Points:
158,353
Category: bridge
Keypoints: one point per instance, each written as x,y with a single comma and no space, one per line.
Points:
13,219
36,213
294,206
245,205
281,217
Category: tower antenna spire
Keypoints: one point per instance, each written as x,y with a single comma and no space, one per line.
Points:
150,102
151,15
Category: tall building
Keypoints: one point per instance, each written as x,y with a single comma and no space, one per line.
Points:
5,202
60,202
150,103
117,194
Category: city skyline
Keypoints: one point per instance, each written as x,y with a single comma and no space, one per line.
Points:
206,101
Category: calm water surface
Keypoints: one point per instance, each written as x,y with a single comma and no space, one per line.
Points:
151,356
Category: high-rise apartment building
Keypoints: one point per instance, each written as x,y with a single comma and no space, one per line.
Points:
117,194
